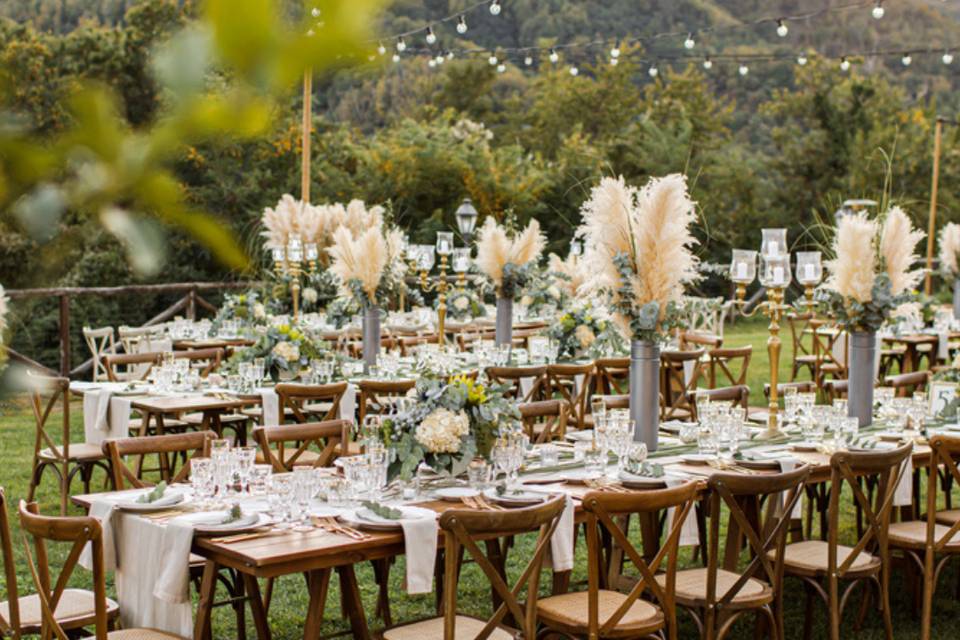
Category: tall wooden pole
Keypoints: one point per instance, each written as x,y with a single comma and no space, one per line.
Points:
932,228
305,142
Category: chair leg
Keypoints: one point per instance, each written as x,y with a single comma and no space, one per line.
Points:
885,598
35,476
808,610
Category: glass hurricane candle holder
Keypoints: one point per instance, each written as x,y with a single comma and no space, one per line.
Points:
743,266
774,242
775,271
461,260
295,250
809,268
427,257
444,245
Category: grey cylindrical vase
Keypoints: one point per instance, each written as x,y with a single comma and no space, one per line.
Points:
862,354
644,391
956,298
371,337
504,321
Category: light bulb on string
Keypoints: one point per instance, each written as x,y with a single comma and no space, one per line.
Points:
614,61
501,68
844,64
528,60
440,59
492,60
615,52
878,10
802,59
744,69
462,25
906,60
396,57
381,49
947,57
449,55
309,33
689,43
707,63
495,7
432,63
315,12
554,56
574,71
431,37
653,71
401,44
782,30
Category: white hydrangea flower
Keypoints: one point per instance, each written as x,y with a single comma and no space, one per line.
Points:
310,295
259,311
288,351
442,431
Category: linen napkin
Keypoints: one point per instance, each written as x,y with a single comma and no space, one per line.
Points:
104,511
348,403
173,585
787,465
689,536
943,346
563,539
420,542
271,407
903,494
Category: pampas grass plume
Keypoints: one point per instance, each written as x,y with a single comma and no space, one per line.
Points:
950,248
852,270
897,243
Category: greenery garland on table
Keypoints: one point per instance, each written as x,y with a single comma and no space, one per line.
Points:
286,351
452,421
586,330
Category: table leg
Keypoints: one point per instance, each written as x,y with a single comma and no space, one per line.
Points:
208,586
144,426
351,598
256,607
910,359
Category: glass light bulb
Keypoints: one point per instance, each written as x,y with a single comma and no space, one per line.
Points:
744,70
528,61
401,45
462,25
501,68
653,71
845,65
431,36
315,12
381,49
614,61
554,56
801,60
574,71
708,64
615,52
782,30
689,43
947,58
878,11
495,7
906,60
432,62
492,60
396,57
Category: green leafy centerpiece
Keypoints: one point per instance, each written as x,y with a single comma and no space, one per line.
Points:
452,421
586,330
286,351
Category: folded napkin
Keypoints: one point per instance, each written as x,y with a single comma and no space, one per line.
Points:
420,542
689,535
564,538
104,511
787,465
943,346
348,403
270,402
903,494
173,585
105,416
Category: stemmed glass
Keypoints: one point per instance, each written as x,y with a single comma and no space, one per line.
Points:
201,479
244,458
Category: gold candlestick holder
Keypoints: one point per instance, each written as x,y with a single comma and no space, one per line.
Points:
440,286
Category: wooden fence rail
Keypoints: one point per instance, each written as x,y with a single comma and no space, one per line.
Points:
187,305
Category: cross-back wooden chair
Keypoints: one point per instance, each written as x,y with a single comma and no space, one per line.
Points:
905,384
21,615
134,339
310,402
206,360
572,383
513,377
676,383
378,397
729,366
716,596
127,367
52,446
835,389
603,613
171,449
545,420
409,344
822,564
101,343
615,401
826,362
690,340
78,532
739,395
462,530
311,444
803,357
612,376
929,544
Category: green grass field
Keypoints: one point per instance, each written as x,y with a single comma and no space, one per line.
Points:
290,601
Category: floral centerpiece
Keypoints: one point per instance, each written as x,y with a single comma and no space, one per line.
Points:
950,261
638,257
509,263
245,307
286,351
542,293
463,304
870,276
452,421
586,330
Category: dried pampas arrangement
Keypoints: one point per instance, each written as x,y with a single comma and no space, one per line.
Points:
897,243
282,222
853,269
360,262
571,273
638,250
950,249
499,256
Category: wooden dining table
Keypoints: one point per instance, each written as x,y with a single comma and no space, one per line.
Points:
317,554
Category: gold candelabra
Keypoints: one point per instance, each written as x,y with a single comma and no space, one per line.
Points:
773,307
287,261
440,286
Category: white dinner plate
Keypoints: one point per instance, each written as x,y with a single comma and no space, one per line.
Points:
456,494
515,497
585,435
363,518
169,499
697,458
805,446
212,522
633,481
580,476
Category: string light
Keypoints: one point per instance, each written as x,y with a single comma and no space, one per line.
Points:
528,60
431,37
689,43
844,64
401,44
492,60
614,61
707,63
906,59
501,68
744,69
574,71
554,56
653,71
462,25
440,59
309,33
782,30
947,57
495,7
315,12
802,59
432,63
449,55
381,49
615,52
878,10
396,57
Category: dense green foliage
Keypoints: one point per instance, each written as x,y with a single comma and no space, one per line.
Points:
782,146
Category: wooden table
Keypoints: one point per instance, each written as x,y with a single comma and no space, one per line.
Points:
913,344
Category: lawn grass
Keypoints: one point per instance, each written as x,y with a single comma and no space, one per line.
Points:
290,601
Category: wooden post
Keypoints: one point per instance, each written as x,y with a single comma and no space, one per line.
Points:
305,142
192,304
64,335
932,228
